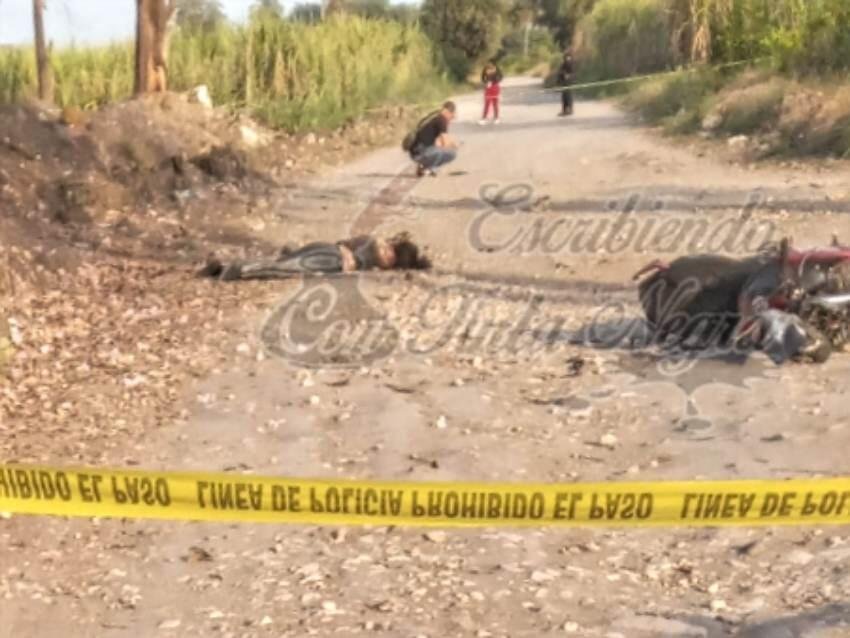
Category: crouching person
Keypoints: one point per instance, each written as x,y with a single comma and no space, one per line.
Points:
432,146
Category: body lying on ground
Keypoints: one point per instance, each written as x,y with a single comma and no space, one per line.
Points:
324,258
711,300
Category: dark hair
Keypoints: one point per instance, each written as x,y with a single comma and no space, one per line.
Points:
407,254
450,106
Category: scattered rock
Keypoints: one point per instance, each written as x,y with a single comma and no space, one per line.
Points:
403,387
608,440
712,122
5,341
436,537
799,557
738,142
582,413
718,605
201,95
753,606
645,626
223,163
197,555
249,136
574,366
72,116
544,576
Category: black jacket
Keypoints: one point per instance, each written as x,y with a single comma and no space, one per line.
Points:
494,75
565,73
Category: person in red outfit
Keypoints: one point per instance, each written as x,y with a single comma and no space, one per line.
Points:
491,77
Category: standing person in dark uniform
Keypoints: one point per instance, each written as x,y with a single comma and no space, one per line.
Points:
565,79
491,78
433,146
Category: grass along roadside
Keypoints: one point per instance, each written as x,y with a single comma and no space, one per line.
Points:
292,76
780,115
794,101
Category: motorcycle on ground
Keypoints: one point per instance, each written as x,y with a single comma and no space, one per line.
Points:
790,304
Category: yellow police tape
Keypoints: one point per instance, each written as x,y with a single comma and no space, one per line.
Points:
230,497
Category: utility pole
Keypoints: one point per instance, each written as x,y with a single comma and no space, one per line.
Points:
527,40
42,59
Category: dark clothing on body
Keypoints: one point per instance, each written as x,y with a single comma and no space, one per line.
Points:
430,133
317,258
697,296
567,102
491,75
565,78
365,250
710,297
425,151
565,73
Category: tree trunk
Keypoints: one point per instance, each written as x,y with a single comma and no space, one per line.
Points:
527,40
152,21
334,7
45,77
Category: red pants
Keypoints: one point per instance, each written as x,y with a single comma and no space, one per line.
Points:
491,99
494,102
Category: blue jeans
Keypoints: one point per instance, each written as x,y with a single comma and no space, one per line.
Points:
433,157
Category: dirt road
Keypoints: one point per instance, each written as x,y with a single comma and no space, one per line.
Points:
446,404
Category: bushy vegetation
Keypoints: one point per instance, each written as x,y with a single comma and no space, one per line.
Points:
781,115
466,32
679,101
750,107
309,71
519,34
294,75
788,40
805,36
541,50
622,37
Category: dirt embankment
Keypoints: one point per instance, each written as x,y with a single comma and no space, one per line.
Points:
104,217
154,178
759,114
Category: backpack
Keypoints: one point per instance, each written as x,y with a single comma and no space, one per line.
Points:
409,140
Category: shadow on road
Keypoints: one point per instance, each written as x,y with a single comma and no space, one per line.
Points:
662,199
830,622
605,123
